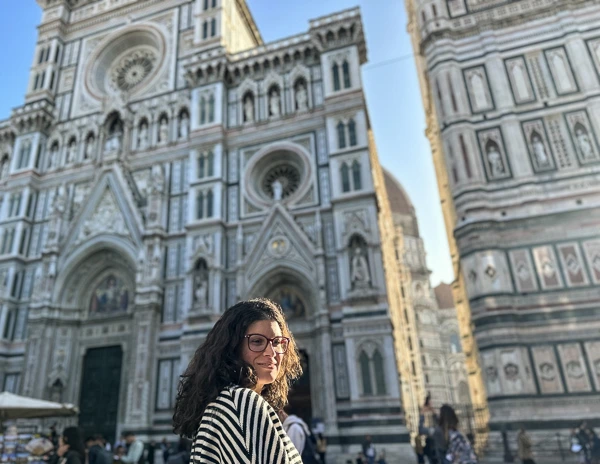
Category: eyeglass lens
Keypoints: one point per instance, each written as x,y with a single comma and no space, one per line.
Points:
258,343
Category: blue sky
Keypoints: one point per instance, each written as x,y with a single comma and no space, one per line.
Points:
390,81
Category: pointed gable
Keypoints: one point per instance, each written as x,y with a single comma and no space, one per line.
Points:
280,243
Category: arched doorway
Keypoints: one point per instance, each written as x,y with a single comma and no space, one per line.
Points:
295,295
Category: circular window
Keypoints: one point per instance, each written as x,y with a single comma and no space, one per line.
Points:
288,177
278,173
126,63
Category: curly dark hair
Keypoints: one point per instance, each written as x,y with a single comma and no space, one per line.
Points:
218,363
448,420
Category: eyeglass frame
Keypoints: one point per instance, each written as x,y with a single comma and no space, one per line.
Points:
269,340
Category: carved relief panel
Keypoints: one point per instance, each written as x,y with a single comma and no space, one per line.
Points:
520,80
516,374
592,255
493,154
592,350
572,264
522,271
547,370
487,273
547,268
574,367
478,89
594,49
561,71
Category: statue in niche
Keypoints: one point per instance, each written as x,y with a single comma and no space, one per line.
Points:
163,131
479,92
184,126
201,284
495,160
539,150
4,169
274,103
277,190
143,136
115,136
157,180
562,74
53,156
301,97
90,145
155,262
584,143
359,267
72,151
248,109
59,206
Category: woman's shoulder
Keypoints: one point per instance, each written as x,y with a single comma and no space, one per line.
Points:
234,395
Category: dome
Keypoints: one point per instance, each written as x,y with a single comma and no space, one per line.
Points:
398,198
443,295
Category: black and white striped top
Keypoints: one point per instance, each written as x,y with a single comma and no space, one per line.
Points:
240,427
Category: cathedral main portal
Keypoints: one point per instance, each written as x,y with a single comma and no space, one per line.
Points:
99,399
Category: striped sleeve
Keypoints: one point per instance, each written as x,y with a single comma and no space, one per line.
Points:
241,427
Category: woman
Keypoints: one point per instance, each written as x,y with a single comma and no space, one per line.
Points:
71,449
451,445
525,447
236,381
321,447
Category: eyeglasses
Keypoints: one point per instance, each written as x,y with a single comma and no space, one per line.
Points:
258,343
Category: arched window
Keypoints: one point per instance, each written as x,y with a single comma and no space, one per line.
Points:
379,373
352,133
214,3
4,167
336,77
210,164
202,110
36,82
205,30
465,155
42,80
41,57
205,5
434,10
455,346
24,154
440,99
211,108
365,371
345,178
200,206
213,27
452,95
356,175
52,80
53,157
201,166
346,71
209,204
341,133
423,17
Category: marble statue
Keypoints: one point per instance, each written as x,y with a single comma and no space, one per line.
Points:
539,150
360,269
495,160
157,179
89,147
274,102
248,109
184,126
4,169
143,136
584,143
301,97
201,291
72,152
113,142
163,132
277,190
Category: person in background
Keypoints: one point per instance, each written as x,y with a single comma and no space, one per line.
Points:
321,447
360,459
164,446
135,451
97,454
71,449
369,450
427,424
300,436
381,458
419,450
452,445
119,453
151,452
524,447
594,446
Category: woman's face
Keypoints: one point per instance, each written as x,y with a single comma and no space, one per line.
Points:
266,363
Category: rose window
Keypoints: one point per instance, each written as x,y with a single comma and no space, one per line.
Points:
133,69
287,175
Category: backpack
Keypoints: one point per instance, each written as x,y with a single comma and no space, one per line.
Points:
309,454
459,450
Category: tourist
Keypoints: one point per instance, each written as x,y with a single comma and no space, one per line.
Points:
166,448
236,381
419,450
97,453
71,449
427,424
524,446
300,436
369,450
135,451
322,447
182,455
451,445
594,446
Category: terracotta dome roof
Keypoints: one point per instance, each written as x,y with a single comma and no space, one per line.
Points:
399,201
443,295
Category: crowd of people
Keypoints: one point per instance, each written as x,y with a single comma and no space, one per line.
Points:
586,444
439,440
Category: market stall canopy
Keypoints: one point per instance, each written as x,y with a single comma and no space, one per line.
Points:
21,407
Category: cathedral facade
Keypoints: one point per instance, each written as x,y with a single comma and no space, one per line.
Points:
511,90
166,164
